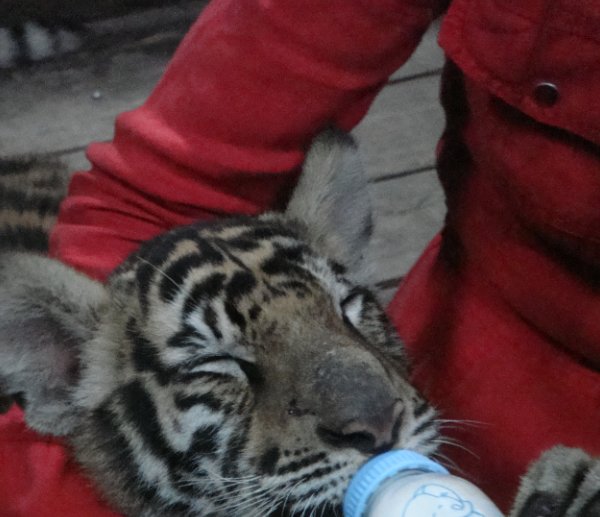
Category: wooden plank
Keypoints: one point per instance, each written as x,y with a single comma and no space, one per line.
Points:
55,110
408,212
402,128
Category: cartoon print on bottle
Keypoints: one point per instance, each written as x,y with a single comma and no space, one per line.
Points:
434,500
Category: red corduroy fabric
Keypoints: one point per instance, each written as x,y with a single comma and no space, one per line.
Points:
501,315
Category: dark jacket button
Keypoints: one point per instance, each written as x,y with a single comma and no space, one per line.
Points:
545,94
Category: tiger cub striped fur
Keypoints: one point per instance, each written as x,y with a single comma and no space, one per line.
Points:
227,368
31,190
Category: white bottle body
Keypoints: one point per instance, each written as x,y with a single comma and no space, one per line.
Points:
424,494
403,483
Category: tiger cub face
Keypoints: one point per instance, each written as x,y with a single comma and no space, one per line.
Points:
229,368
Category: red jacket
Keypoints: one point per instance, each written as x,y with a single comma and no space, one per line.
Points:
502,312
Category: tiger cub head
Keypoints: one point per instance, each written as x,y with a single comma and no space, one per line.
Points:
226,368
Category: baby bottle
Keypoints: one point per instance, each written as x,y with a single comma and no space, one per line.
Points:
403,483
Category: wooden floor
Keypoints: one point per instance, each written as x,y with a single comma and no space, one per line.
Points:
59,107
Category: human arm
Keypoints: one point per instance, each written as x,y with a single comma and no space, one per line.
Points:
226,128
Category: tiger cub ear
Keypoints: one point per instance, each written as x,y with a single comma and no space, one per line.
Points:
47,311
332,200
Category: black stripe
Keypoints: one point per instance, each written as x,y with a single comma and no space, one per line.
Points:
210,318
254,312
119,454
32,239
204,442
144,275
295,466
318,473
295,253
286,261
145,356
337,268
27,164
268,460
157,250
236,317
164,244
207,289
207,359
233,449
242,244
240,284
319,489
178,508
20,200
576,479
592,507
252,372
187,336
267,232
10,166
140,410
428,424
176,274
185,377
421,409
300,288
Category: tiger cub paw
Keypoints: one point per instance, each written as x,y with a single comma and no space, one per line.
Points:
563,482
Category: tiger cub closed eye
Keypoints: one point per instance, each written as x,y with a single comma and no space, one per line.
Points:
227,368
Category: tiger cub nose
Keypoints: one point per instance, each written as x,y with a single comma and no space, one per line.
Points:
370,431
357,404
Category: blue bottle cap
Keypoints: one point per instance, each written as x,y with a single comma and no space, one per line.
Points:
370,476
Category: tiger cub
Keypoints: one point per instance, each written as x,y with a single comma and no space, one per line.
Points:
226,368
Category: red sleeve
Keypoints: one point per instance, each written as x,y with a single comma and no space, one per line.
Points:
225,129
